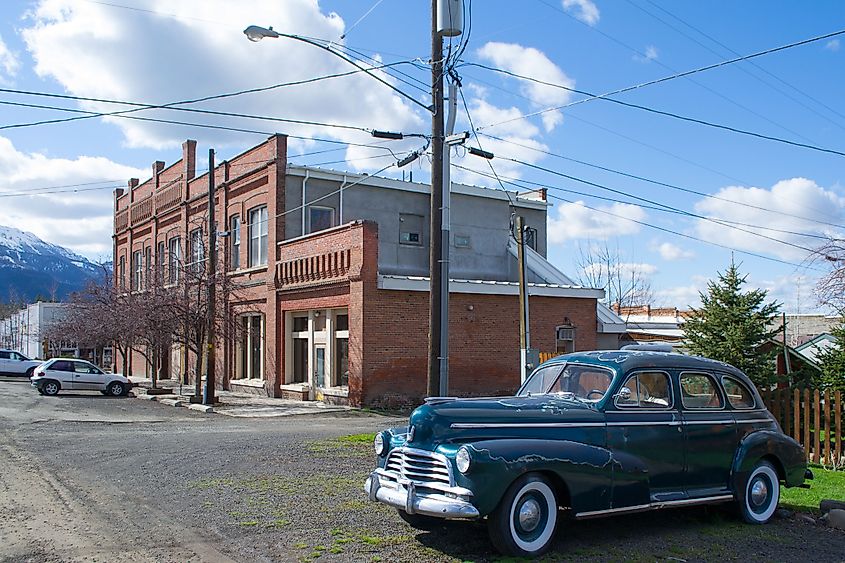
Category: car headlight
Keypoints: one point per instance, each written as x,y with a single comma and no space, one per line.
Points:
379,445
463,459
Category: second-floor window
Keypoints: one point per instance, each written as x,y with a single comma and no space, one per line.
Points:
258,236
148,264
235,234
161,260
320,218
121,272
137,270
197,251
174,249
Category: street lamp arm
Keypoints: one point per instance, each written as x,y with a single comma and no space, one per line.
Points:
257,33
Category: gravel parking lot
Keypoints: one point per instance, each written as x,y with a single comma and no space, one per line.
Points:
87,477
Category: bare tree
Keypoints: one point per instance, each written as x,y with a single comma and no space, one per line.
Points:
830,289
625,284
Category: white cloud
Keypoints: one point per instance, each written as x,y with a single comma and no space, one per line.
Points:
576,221
584,10
81,220
9,62
649,55
528,61
671,252
832,45
801,206
624,268
93,50
682,296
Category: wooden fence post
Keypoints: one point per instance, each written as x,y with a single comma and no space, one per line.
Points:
827,425
808,446
817,426
796,415
838,426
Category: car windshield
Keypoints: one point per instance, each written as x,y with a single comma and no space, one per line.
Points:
589,383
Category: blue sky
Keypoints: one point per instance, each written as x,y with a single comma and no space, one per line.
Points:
154,51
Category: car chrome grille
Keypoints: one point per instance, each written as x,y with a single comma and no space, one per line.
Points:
419,466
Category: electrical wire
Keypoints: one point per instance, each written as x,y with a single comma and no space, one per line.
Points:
226,95
679,75
754,64
657,207
639,53
652,226
655,111
660,183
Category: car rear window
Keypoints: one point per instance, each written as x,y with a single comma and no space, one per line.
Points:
739,396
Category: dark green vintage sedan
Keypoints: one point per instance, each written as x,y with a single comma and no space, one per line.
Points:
594,434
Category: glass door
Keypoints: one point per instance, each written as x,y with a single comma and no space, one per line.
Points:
320,365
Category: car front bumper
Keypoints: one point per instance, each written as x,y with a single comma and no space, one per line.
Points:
403,494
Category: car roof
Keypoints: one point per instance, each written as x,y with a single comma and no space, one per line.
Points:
625,360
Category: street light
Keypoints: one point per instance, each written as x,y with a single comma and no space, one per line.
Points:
256,33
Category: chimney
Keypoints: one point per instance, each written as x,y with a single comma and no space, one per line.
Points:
158,166
189,159
132,184
117,193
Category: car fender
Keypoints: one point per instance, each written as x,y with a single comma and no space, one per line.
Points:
584,470
791,462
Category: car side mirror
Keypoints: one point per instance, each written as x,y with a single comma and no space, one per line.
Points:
624,394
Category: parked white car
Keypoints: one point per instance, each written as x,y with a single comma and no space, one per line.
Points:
15,363
63,374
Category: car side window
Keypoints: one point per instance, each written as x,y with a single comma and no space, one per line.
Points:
739,396
699,391
83,368
645,390
61,366
15,356
541,380
5,355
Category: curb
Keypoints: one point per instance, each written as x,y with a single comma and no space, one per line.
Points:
201,408
171,402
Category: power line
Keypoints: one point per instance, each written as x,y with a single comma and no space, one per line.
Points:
659,183
677,75
226,95
653,202
621,135
655,111
649,225
754,64
639,53
519,182
148,106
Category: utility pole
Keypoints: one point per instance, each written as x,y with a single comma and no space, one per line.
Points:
446,20
435,312
524,329
211,268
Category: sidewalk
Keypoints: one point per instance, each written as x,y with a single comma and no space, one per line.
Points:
243,405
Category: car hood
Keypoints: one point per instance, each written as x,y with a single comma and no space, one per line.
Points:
442,420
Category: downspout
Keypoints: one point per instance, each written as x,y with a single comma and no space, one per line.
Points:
340,206
304,183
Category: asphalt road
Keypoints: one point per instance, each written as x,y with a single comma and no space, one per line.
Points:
85,477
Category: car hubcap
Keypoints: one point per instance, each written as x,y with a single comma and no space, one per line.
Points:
529,515
50,388
759,491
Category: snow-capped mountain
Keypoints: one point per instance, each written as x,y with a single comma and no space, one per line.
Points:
30,267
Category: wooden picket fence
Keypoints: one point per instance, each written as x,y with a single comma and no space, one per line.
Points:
813,418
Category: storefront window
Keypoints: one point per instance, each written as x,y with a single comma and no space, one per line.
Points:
251,348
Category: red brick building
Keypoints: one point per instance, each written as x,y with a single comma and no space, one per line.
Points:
331,270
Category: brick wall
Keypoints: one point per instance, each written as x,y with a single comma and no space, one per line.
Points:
483,342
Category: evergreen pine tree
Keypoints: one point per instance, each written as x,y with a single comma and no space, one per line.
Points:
832,361
731,326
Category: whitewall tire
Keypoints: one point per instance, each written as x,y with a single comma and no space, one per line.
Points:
524,523
760,494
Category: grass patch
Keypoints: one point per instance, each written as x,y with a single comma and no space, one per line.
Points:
248,523
825,484
351,445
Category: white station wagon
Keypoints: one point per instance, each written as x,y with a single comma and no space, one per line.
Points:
62,374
